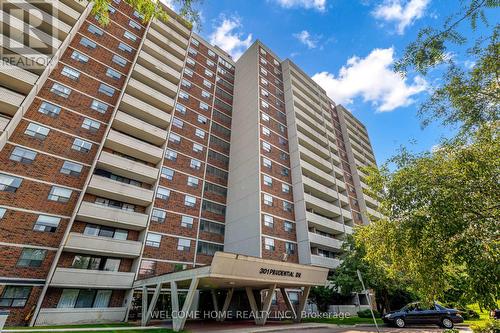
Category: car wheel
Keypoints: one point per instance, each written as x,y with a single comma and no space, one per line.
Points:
400,322
446,323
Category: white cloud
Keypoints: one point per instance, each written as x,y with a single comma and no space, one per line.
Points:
168,3
228,39
402,14
319,5
373,79
305,38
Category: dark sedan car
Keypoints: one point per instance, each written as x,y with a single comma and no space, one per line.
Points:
419,313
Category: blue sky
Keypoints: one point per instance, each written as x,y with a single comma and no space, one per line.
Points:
348,46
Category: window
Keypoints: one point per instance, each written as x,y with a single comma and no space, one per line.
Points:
200,133
276,63
285,188
111,9
267,163
288,226
189,201
190,61
88,43
264,104
265,116
212,207
263,71
119,61
2,212
184,95
153,240
202,119
193,182
91,125
15,296
195,42
174,138
130,36
81,145
264,81
188,72
60,90
186,83
192,51
208,73
135,25
167,173
73,74
9,183
184,244
197,148
263,61
210,63
178,123
49,109
266,131
212,227
171,155
283,156
282,141
23,155
266,146
264,92
219,190
195,164
205,94
138,15
46,223
180,108
113,74
187,222
287,207
204,106
31,257
269,244
285,172
268,180
106,90
269,221
218,173
289,248
37,131
71,168
99,106
147,268
80,57
211,53
209,249
124,47
103,231
163,193
268,200
60,194
207,84
158,216
282,128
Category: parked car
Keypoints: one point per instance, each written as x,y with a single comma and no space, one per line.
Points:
419,313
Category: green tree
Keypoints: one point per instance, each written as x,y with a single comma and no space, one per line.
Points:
150,9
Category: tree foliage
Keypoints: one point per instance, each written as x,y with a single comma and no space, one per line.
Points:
150,9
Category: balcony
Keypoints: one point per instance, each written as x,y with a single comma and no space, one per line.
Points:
102,246
370,202
61,316
133,147
170,33
310,132
314,159
149,95
156,65
320,176
9,101
145,111
313,145
17,79
112,217
112,189
330,263
127,168
3,123
154,81
346,214
324,224
164,56
140,129
319,190
321,206
326,242
166,44
84,278
373,212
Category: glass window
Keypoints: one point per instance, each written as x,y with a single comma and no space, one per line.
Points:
200,133
80,57
266,146
46,223
60,90
9,183
184,244
268,221
285,188
211,53
207,84
189,201
106,90
153,240
174,138
180,108
71,168
208,73
49,109
158,216
91,125
163,193
287,206
266,131
171,155
178,123
37,131
112,265
289,248
187,222
267,162
205,94
195,164
2,212
192,181
135,25
81,145
197,148
202,119
268,180
209,249
210,63
113,74
15,296
85,298
119,61
147,268
288,226
60,194
88,43
264,104
184,95
192,51
99,106
269,244
212,227
188,72
265,116
186,83
31,257
203,106
125,48
195,42
190,61
73,74
23,155
167,173
268,200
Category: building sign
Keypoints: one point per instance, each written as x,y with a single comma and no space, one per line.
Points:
279,272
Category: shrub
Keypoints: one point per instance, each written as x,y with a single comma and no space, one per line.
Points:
470,314
367,313
492,326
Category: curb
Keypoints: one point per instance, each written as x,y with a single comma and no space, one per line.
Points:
81,329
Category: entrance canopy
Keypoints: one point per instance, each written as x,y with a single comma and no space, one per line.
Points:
229,271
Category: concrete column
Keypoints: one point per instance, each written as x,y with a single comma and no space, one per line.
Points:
289,304
302,303
227,302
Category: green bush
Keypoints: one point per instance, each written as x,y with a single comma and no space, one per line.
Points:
470,314
451,330
493,326
367,313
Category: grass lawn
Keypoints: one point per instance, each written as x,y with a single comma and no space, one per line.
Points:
344,321
484,316
132,329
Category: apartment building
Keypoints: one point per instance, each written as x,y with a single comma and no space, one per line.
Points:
136,150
